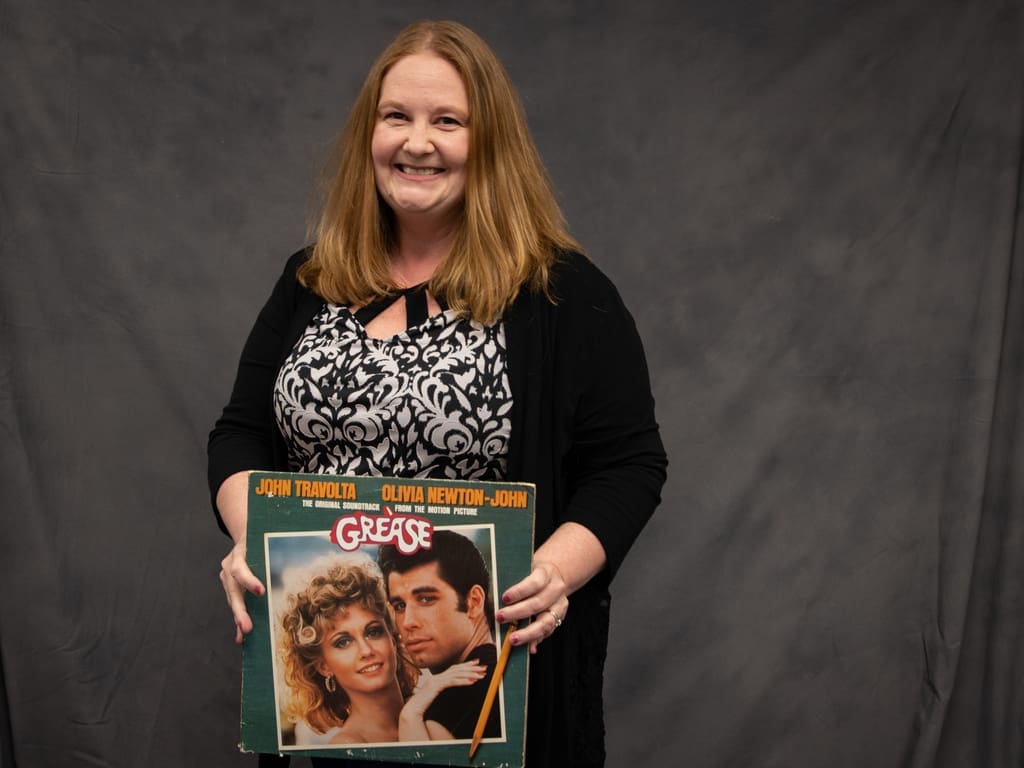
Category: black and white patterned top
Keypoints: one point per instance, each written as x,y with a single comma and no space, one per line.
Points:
433,400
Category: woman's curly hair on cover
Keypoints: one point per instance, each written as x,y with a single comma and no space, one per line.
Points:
310,613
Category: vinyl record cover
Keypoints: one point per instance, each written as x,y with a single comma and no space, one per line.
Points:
372,598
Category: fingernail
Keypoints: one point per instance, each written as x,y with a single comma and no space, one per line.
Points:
514,640
500,617
506,599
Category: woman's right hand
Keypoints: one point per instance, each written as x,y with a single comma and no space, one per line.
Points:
235,574
237,578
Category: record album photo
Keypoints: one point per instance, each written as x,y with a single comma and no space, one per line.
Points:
376,639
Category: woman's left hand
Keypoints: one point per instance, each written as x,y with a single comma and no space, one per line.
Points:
411,726
544,595
430,684
570,558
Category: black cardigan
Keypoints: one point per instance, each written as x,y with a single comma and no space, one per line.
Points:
583,430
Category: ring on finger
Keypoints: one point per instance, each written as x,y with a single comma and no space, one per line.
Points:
558,619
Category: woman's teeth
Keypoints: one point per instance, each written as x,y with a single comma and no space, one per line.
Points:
418,171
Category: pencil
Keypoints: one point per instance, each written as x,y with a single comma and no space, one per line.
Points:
492,689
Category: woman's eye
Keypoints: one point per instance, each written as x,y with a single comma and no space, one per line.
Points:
375,632
343,642
449,121
394,116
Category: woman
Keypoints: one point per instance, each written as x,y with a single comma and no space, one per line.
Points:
345,666
444,324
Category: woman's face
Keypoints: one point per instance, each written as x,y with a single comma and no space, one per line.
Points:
358,650
421,139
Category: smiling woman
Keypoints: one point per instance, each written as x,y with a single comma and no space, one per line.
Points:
445,324
336,629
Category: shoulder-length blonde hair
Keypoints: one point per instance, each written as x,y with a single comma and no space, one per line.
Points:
511,227
308,618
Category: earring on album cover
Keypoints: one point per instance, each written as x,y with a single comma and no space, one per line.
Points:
329,683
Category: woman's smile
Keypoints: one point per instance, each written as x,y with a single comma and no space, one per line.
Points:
414,171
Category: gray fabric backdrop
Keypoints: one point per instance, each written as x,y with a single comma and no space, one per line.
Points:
812,207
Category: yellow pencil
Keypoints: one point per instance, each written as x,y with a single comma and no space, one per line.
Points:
492,689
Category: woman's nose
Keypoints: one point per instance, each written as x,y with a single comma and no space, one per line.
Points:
417,142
